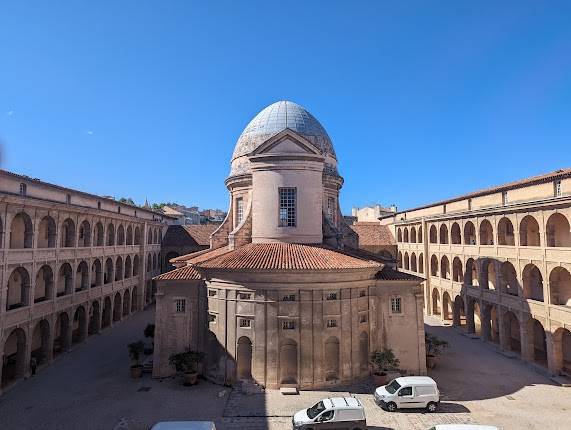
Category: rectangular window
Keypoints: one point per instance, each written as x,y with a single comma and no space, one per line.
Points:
287,207
505,198
244,296
363,318
362,293
245,323
396,305
331,209
23,190
212,318
331,296
288,298
239,210
444,208
288,325
180,305
212,293
557,189
331,323
469,204
68,199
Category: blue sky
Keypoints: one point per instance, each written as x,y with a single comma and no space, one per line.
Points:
423,100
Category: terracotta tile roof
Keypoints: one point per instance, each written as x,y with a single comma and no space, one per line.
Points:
534,180
285,256
197,257
373,233
189,235
394,275
181,274
366,255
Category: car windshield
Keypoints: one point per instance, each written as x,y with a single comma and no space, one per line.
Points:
315,410
392,387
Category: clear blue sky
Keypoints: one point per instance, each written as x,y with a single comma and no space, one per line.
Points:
423,100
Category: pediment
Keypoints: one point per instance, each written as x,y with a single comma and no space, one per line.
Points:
286,142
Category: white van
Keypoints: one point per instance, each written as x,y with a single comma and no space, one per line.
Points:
409,392
332,413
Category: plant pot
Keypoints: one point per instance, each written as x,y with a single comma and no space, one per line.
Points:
190,378
136,371
380,378
430,361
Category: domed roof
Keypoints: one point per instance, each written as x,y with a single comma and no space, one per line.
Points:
276,118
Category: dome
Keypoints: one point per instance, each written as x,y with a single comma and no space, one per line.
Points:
276,118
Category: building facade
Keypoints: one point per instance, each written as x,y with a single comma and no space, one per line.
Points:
497,262
284,297
71,264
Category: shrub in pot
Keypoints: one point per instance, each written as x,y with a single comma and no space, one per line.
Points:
185,364
384,363
149,333
135,351
434,347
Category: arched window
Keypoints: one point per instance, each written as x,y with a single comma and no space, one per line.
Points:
508,279
406,261
419,234
128,269
119,269
18,289
433,234
420,263
108,275
98,235
110,234
413,260
68,234
457,272
558,233
82,277
529,232
486,233
129,235
445,267
21,231
455,233
120,235
413,235
65,280
506,235
84,234
433,265
405,235
136,265
47,233
471,274
469,233
43,289
137,238
97,274
399,235
532,283
560,285
443,234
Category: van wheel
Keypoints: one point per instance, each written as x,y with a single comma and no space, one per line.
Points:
391,406
432,407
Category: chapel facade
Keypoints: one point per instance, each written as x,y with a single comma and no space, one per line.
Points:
284,297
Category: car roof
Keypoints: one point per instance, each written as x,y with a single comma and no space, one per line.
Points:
184,425
342,403
464,427
416,380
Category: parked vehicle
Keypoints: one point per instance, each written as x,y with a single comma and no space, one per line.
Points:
184,425
409,392
332,413
462,427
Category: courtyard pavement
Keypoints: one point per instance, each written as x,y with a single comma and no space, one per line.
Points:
90,388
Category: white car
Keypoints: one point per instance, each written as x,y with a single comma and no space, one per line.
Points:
409,392
332,413
184,425
462,427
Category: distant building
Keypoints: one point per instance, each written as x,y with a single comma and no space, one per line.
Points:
184,239
372,213
180,218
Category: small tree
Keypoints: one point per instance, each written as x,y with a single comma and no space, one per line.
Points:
384,361
150,331
135,351
434,345
186,362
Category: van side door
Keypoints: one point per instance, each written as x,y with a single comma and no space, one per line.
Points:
406,398
325,420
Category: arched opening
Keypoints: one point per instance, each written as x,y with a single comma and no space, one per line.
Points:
65,280
489,277
137,238
557,230
44,288
332,359
150,263
117,308
532,283
435,302
121,235
406,261
477,315
529,232
420,263
41,342
560,286
443,234
136,265
84,234
110,234
98,235
471,274
129,240
459,312
399,260
486,233
126,303
106,316
419,234
457,272
170,255
433,234
119,269
47,233
288,362
539,342
562,351
508,279
469,233
134,298
490,323
364,352
150,237
512,332
62,337
108,275
455,234
405,235
413,262
82,278
506,235
18,289
97,274
79,325
413,235
21,231
94,319
128,268
433,265
447,310
244,358
14,364
68,234
445,267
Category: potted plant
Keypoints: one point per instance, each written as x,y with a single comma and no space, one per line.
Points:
135,351
384,363
434,347
149,333
186,363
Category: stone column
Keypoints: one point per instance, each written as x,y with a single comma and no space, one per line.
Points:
486,323
554,353
470,324
526,339
504,341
